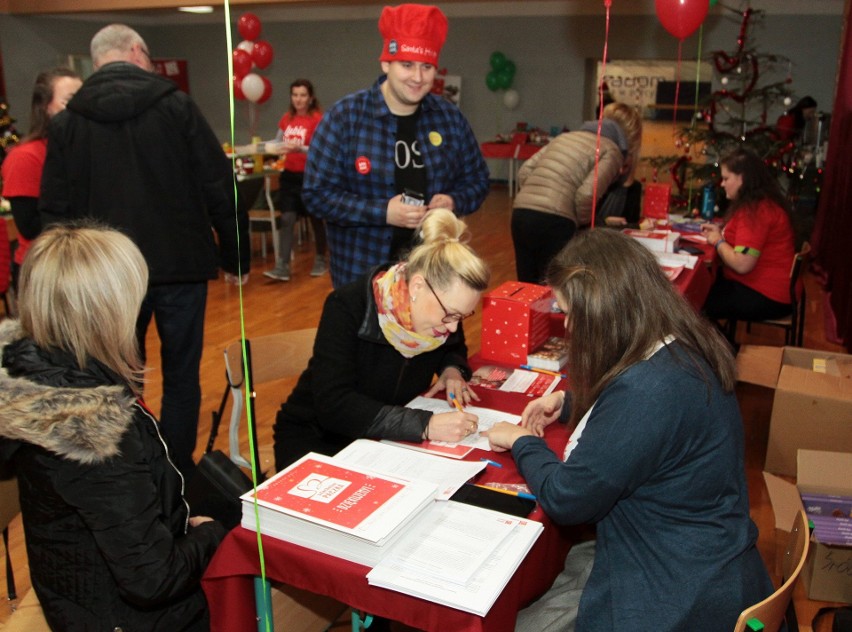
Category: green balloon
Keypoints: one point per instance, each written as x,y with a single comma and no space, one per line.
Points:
498,60
491,81
509,68
712,2
504,80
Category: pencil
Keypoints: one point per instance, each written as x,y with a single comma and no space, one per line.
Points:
545,371
506,491
456,402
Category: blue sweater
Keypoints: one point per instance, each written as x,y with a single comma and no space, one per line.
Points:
659,468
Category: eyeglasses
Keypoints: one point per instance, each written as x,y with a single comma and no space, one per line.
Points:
449,317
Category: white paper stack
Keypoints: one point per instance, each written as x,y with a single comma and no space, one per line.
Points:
347,511
457,555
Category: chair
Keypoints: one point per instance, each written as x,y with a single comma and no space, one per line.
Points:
9,508
519,139
769,614
273,357
794,324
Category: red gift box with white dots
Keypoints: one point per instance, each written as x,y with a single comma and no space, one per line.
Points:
515,319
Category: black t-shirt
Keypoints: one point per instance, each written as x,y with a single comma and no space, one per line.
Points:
409,173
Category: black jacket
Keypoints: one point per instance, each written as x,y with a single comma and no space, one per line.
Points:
106,526
134,152
356,384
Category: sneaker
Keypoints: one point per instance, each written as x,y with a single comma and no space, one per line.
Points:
319,268
279,273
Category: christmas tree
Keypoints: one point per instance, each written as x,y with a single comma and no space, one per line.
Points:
738,114
8,134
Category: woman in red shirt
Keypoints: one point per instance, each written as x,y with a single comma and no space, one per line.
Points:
296,129
21,169
756,246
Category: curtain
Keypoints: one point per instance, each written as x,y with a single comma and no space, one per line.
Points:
833,229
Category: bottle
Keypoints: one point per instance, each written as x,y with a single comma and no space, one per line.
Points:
258,157
708,202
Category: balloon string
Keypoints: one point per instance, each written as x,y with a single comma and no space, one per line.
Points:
677,87
607,4
246,376
695,103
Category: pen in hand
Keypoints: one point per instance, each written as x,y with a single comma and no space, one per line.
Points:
456,402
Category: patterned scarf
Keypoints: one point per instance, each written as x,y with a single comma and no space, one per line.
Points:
394,308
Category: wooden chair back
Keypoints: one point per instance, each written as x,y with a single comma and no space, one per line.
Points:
771,611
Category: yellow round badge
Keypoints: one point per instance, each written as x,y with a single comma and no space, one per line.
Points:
436,139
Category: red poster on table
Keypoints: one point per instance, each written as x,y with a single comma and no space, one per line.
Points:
329,492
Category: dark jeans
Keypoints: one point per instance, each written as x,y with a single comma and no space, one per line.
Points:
292,207
730,299
178,311
538,237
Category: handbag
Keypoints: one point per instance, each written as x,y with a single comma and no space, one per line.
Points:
217,484
215,489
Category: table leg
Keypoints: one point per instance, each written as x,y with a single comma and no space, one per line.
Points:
267,190
263,604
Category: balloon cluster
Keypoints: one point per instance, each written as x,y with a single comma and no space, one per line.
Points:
249,54
501,76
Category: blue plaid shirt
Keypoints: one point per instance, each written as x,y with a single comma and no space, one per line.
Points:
349,178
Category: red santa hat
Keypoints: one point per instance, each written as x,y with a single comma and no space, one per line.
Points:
412,32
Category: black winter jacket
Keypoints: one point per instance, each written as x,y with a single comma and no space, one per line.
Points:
356,384
134,152
106,526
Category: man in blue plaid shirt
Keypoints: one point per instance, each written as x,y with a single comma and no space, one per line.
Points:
395,137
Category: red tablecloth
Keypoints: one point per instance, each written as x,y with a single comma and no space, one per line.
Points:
228,582
695,284
506,151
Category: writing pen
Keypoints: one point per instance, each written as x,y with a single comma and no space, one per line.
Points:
506,491
492,463
545,371
456,402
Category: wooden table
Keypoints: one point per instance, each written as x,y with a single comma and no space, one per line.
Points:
229,580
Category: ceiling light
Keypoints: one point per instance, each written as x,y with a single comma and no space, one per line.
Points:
199,9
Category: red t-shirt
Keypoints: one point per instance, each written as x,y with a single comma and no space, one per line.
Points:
765,233
21,172
298,129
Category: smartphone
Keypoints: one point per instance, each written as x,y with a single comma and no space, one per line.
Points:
413,198
497,501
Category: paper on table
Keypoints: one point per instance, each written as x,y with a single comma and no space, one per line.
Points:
447,475
452,542
487,418
485,585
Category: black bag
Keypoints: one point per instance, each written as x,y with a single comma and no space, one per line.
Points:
217,484
216,487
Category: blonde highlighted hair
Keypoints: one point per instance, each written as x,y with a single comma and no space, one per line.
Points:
443,253
81,289
630,121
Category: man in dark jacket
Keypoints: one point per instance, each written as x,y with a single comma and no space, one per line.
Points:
134,152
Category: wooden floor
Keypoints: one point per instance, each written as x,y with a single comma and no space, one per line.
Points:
271,306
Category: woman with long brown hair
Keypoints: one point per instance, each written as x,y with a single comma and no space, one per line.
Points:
655,456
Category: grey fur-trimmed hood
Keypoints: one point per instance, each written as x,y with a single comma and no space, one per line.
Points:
81,424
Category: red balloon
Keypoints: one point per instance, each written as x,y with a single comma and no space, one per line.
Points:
242,63
267,90
238,89
261,53
682,18
249,26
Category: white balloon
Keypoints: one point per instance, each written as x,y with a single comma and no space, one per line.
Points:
511,99
247,46
252,86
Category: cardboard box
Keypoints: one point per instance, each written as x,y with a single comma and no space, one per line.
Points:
827,573
515,320
812,407
656,240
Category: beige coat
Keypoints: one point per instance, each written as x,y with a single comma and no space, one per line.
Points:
559,179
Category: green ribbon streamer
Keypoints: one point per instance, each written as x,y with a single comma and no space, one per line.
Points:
265,601
695,104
